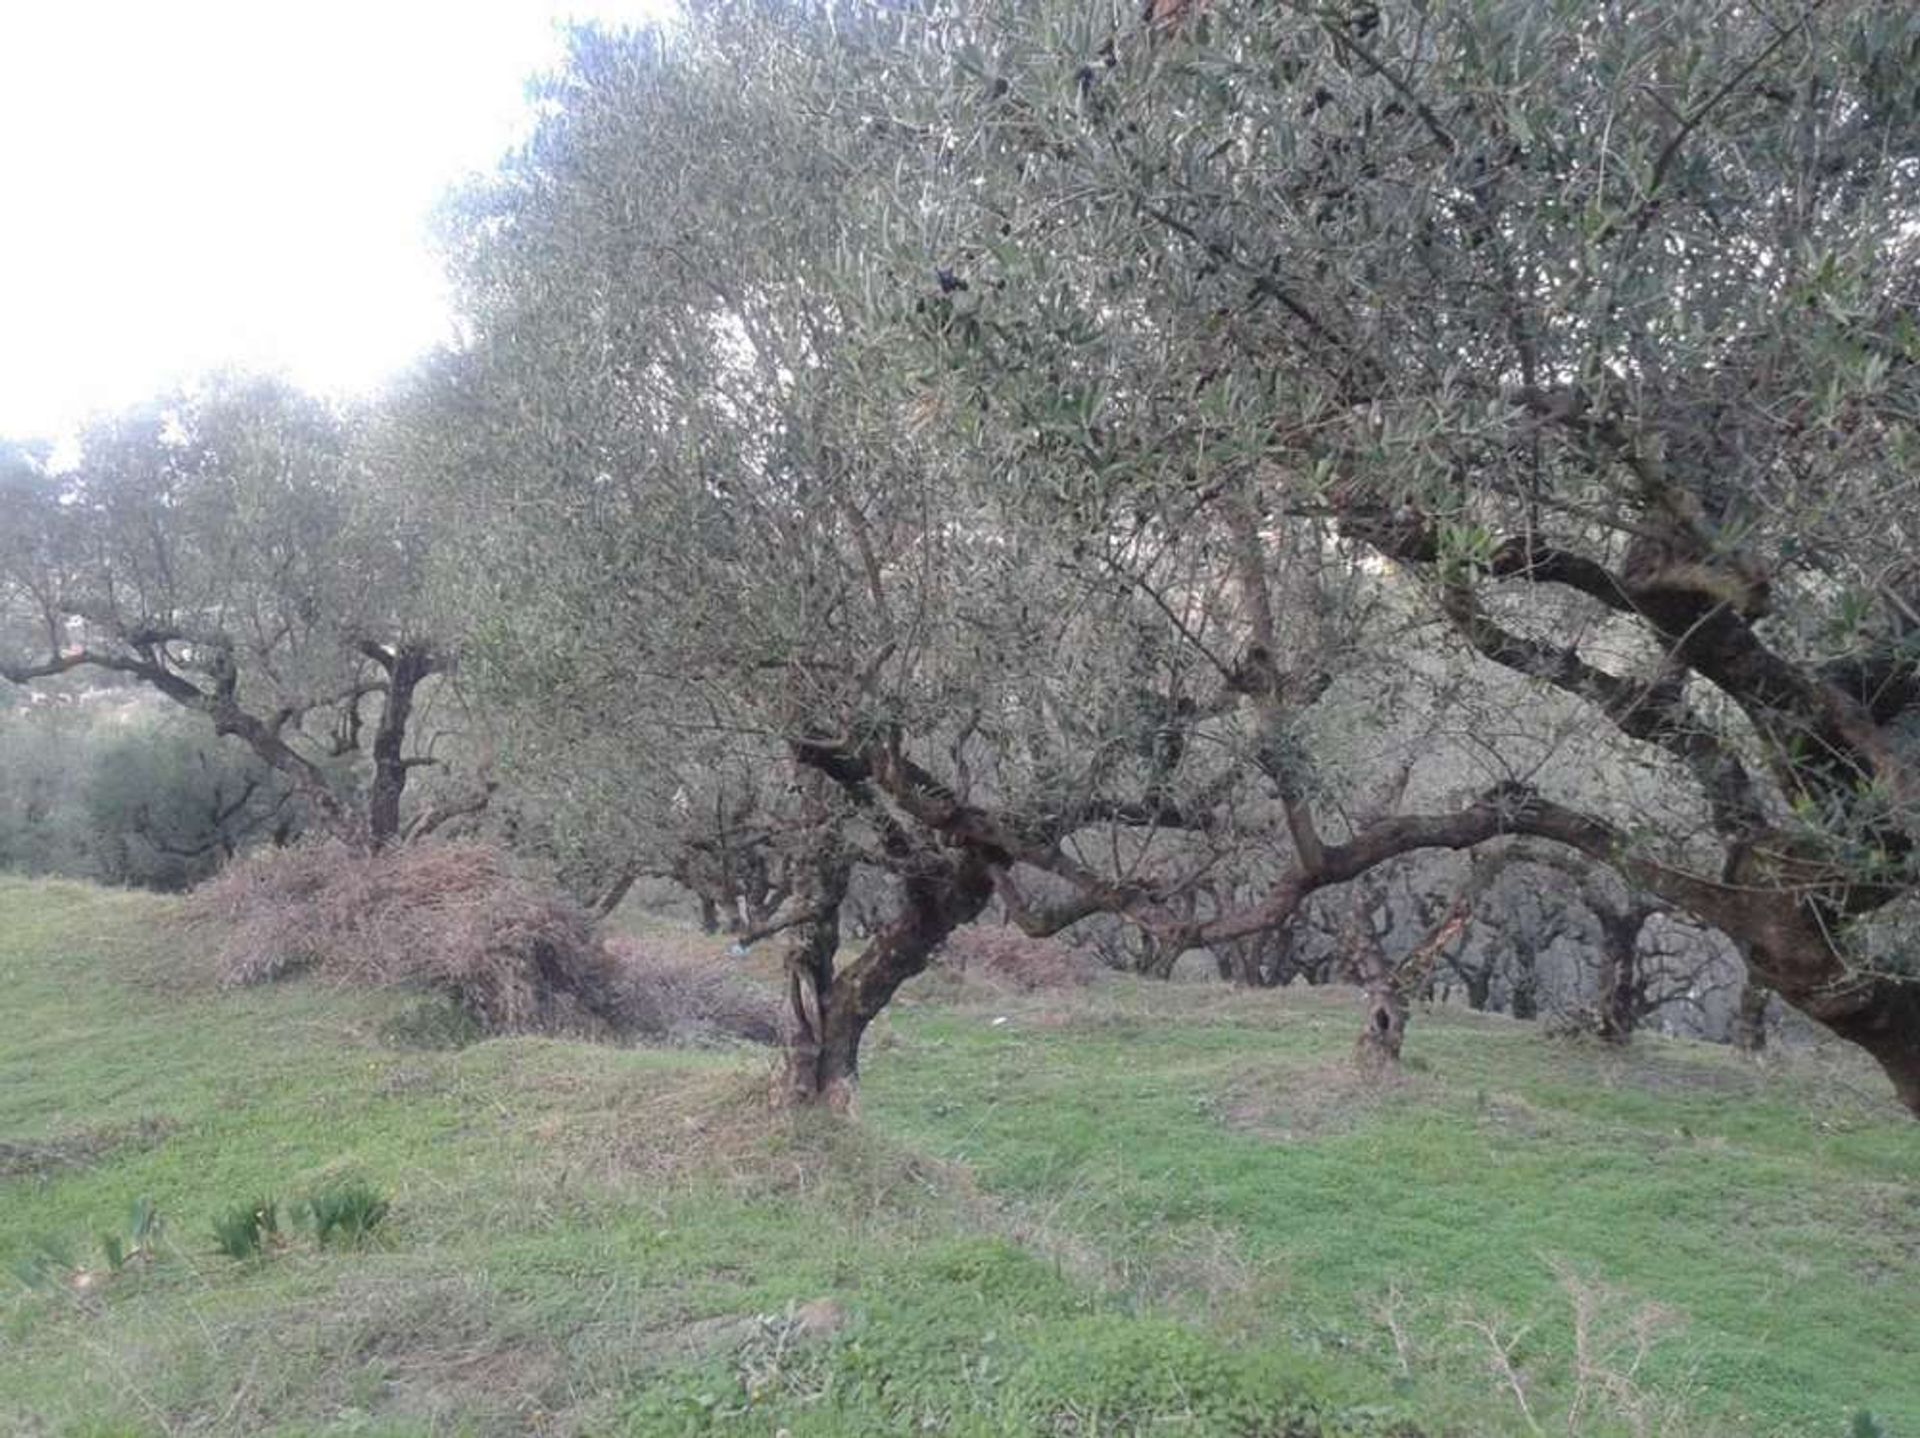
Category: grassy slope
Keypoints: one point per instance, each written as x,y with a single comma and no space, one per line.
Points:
1142,1209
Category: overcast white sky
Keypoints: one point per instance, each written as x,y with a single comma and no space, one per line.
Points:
191,183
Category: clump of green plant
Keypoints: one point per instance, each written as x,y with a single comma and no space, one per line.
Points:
346,1212
51,1262
136,1242
248,1230
48,1262
433,1023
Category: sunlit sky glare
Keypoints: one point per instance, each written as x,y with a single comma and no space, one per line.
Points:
188,184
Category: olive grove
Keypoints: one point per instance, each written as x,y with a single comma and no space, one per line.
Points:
1169,466
1597,329
1373,490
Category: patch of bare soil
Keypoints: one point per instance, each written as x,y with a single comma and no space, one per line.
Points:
39,1158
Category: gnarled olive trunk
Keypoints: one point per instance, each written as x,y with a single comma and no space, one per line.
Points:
1750,1021
831,1010
1620,1000
1378,1047
1878,1012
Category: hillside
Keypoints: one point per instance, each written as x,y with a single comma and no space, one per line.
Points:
1135,1208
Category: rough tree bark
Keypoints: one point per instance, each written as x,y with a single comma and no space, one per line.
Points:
406,667
808,1073
1377,1049
830,1008
1387,987
940,883
1750,1019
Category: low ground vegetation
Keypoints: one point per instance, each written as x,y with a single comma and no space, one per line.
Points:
1121,1208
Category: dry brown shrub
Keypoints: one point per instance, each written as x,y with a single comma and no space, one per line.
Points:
1010,959
457,918
675,995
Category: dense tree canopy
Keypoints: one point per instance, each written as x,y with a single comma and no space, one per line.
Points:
1057,434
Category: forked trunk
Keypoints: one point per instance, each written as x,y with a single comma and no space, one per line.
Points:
830,1011
1377,1050
1388,986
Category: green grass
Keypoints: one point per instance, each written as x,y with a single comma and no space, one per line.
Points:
1141,1209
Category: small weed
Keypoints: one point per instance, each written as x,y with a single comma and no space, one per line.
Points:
346,1213
248,1230
1602,1383
50,1263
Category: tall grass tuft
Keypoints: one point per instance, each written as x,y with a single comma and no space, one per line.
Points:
248,1230
346,1212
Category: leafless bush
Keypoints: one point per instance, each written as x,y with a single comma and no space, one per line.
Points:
1010,958
457,918
1613,1337
1603,1381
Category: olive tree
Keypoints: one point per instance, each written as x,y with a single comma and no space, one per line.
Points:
167,804
226,548
711,524
1593,324
1027,420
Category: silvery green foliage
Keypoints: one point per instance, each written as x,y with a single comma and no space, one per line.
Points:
1159,431
1452,274
707,517
116,786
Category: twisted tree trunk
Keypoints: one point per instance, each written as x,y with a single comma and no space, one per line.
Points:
831,1011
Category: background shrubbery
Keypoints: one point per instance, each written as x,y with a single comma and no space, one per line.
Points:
109,786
